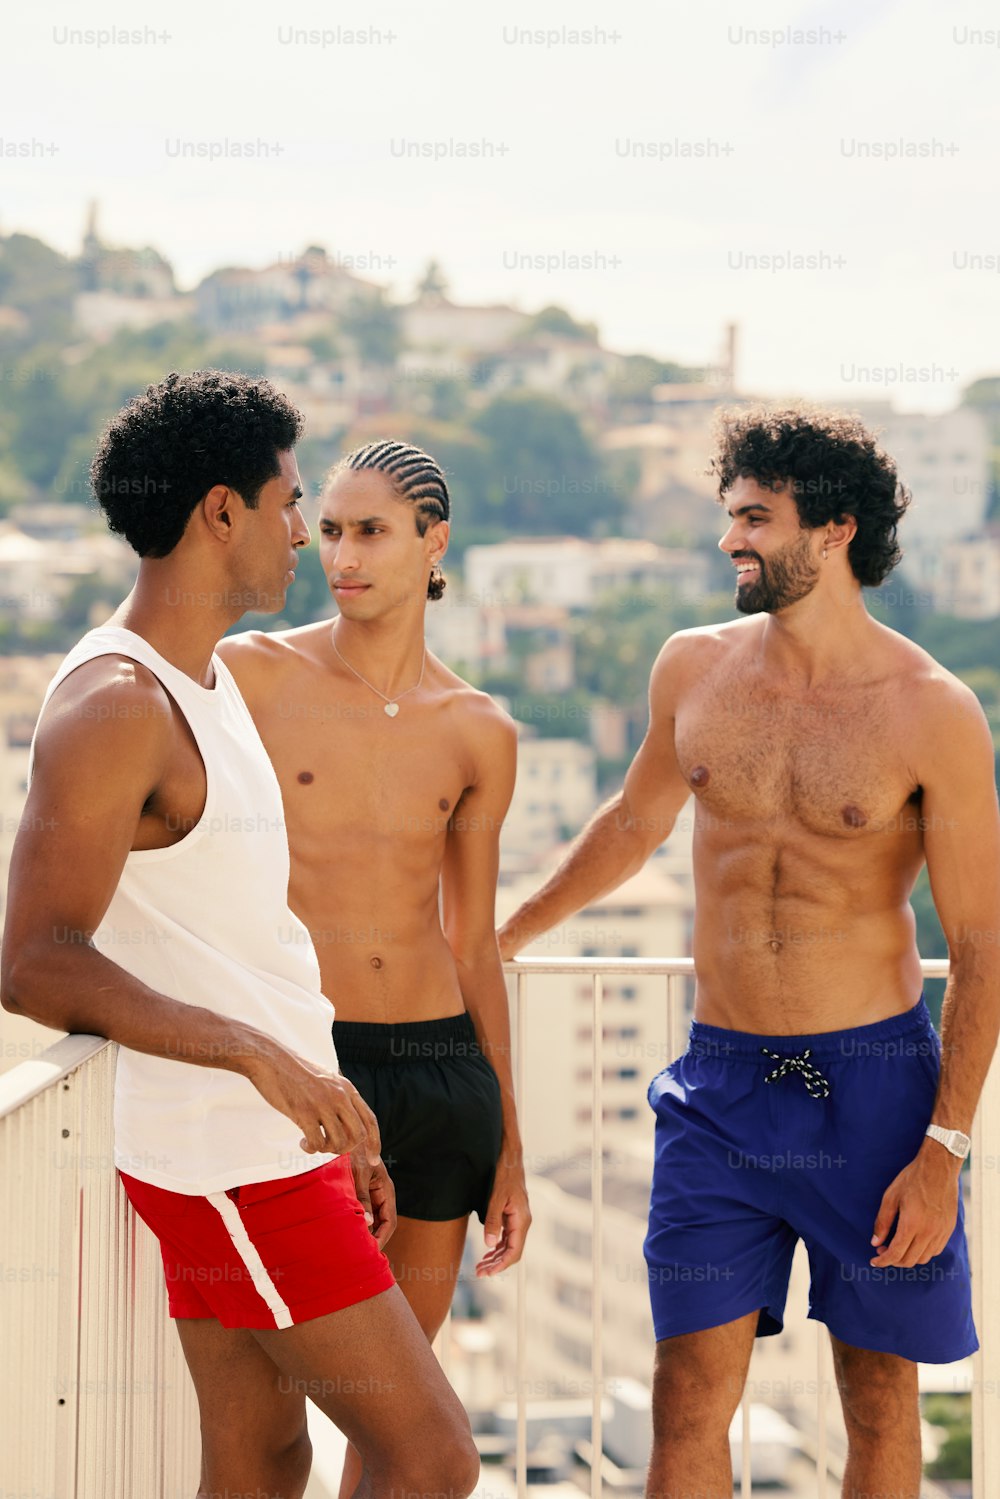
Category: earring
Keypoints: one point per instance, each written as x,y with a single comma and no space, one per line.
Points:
824,554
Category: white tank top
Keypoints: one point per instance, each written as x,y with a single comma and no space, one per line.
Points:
206,921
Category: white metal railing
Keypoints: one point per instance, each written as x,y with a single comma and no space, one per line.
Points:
983,1229
95,1398
95,1401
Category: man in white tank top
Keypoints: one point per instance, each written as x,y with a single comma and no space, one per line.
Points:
153,808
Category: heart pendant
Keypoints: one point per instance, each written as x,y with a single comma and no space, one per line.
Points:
392,709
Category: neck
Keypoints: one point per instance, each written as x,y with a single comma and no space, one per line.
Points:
182,614
824,635
389,656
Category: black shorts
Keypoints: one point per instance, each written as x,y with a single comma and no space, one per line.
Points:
437,1102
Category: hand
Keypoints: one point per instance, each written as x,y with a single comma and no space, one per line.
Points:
508,1219
376,1194
327,1108
508,943
924,1200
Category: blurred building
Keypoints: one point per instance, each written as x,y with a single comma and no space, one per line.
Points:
576,573
237,298
555,794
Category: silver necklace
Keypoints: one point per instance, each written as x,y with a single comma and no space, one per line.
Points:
391,704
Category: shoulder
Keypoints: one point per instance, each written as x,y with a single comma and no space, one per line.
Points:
256,655
487,730
689,653
475,708
941,713
111,704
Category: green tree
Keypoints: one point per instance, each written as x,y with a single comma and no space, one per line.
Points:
40,283
546,475
557,320
375,328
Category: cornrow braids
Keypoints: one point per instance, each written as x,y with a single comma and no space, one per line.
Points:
416,478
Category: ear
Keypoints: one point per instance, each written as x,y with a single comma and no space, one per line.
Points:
218,511
838,535
436,539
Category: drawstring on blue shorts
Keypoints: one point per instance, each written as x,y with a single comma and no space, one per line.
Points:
817,1085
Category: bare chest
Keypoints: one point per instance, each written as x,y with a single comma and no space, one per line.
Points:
834,763
354,779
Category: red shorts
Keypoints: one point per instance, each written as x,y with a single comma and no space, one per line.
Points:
270,1254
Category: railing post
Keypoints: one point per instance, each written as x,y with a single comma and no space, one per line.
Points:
597,1244
521,1317
984,1236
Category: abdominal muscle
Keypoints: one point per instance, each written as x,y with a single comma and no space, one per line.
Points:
828,957
380,962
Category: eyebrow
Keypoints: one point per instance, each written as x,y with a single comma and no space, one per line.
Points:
369,520
296,493
745,510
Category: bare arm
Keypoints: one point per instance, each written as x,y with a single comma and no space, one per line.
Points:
621,836
103,750
468,888
962,846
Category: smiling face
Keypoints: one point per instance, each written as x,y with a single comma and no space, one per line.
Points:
372,553
776,561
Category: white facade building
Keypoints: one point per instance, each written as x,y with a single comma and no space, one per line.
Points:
555,793
575,573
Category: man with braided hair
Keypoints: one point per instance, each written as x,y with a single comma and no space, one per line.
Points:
396,777
829,758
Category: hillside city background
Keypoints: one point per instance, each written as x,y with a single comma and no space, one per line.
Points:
584,532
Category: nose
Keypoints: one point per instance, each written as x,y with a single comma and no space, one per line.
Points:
345,557
300,532
730,542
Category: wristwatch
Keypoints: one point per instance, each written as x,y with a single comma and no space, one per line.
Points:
951,1139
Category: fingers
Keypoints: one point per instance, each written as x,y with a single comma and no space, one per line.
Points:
348,1121
886,1216
367,1123
505,1230
362,1175
384,1203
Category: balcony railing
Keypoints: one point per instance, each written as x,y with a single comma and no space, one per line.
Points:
94,1396
983,1228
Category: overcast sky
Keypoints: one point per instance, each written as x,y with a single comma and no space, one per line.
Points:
753,147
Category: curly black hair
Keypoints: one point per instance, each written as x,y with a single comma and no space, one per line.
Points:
165,450
833,467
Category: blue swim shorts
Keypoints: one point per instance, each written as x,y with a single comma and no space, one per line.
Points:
758,1146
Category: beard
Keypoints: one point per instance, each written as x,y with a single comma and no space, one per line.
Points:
787,576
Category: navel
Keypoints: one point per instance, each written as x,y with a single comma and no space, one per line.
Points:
376,962
306,777
853,816
700,776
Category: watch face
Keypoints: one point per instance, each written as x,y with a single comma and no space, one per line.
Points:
960,1142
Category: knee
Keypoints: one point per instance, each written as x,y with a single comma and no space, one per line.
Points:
452,1472
877,1399
293,1465
284,1466
689,1399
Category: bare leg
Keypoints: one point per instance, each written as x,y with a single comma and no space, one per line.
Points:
253,1425
370,1369
697,1385
425,1259
878,1392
